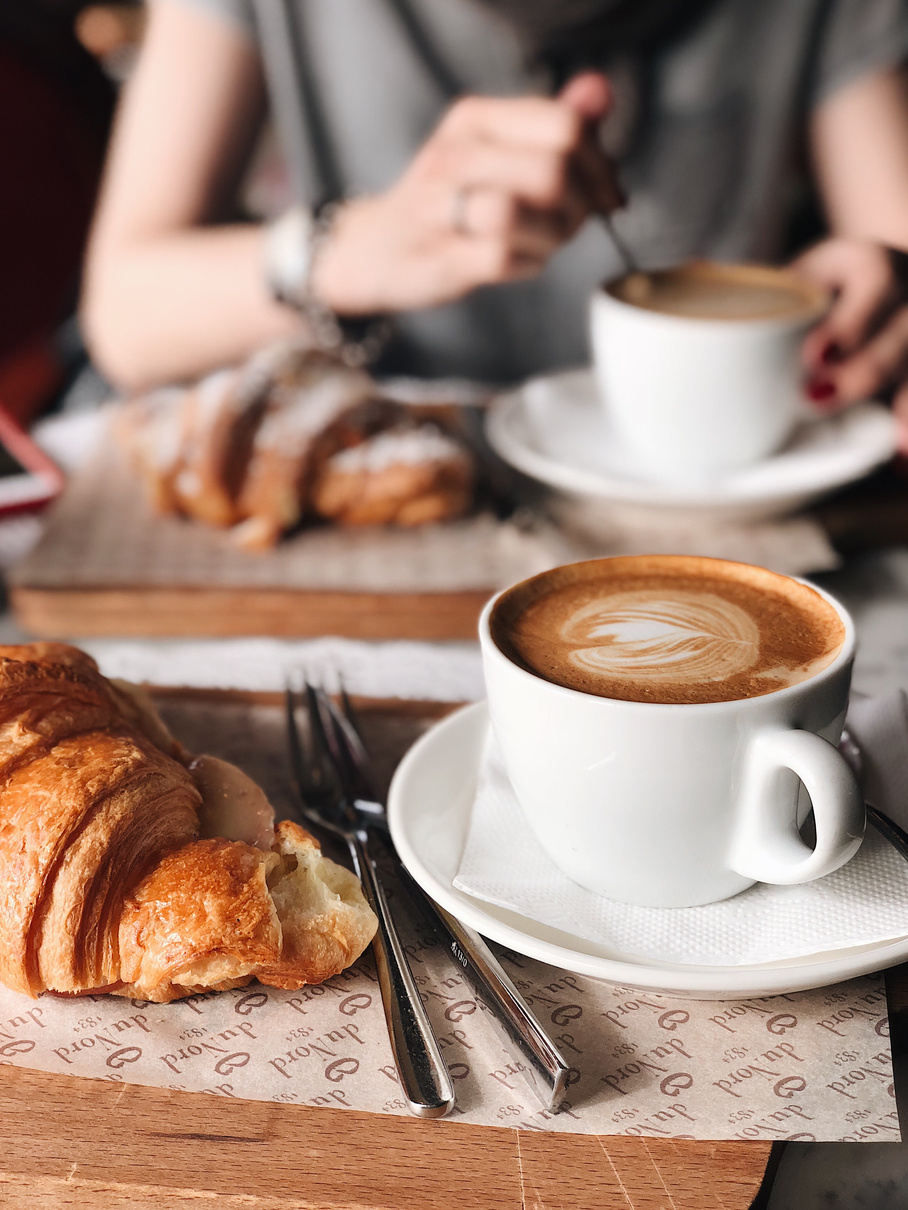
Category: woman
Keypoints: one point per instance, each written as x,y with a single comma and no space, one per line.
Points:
474,147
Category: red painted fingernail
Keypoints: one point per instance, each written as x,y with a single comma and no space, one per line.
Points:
819,390
832,353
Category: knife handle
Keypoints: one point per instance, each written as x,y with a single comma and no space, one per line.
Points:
424,1077
548,1073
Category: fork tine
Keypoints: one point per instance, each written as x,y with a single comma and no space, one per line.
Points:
313,768
349,712
338,747
356,755
323,735
318,801
295,744
335,776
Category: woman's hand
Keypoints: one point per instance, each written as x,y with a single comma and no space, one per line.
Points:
499,187
860,350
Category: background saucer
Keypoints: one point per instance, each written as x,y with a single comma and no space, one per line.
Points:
429,807
555,430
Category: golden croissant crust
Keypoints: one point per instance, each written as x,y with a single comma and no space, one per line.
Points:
104,882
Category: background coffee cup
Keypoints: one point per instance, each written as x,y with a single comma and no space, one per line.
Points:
672,805
696,392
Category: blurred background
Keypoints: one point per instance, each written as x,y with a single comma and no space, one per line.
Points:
61,62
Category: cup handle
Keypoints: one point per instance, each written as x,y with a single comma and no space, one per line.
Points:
768,846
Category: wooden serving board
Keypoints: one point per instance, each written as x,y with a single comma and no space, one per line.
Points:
108,565
88,1144
61,613
82,1144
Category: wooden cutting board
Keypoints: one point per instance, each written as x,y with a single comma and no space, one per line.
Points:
108,565
89,1145
80,1144
94,1145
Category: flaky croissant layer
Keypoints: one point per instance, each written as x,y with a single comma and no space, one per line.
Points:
105,882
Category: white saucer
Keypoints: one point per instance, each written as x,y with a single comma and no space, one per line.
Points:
555,430
429,806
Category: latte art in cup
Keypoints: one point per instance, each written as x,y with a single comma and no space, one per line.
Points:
641,636
667,629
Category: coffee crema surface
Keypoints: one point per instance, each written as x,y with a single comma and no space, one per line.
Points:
702,290
669,629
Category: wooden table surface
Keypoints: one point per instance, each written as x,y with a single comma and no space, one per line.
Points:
80,1144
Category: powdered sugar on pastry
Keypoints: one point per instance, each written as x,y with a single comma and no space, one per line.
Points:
211,394
207,402
305,410
409,445
156,428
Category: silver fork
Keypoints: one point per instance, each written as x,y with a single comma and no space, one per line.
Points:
544,1067
424,1077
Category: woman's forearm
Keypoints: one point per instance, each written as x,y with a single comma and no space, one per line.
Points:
166,308
166,296
859,144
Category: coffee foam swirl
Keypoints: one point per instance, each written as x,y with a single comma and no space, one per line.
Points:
646,636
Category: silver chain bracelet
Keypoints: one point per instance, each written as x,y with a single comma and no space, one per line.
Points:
292,245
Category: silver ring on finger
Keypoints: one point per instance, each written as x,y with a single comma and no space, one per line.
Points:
459,203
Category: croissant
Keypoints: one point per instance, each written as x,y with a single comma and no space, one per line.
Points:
128,868
192,445
262,447
406,475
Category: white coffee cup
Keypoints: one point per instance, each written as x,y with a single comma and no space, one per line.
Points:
698,367
673,805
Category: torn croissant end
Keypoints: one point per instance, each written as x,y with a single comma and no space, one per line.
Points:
217,913
105,883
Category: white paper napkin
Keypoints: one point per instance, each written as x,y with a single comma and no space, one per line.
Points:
866,902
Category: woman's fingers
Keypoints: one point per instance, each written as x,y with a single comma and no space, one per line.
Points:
499,240
589,94
486,261
541,178
877,364
861,347
498,188
490,213
531,146
900,412
513,121
861,278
